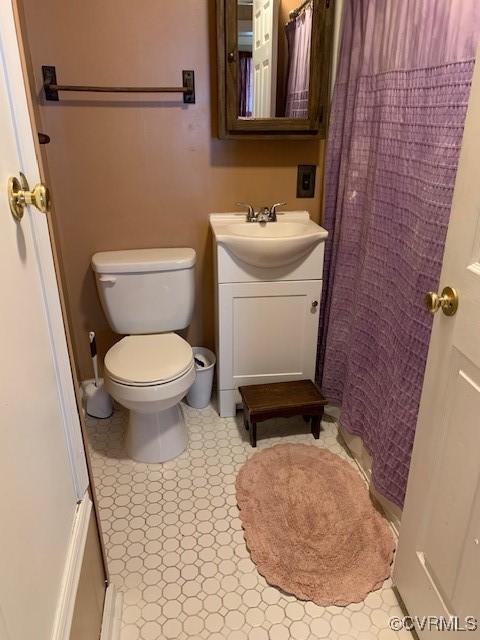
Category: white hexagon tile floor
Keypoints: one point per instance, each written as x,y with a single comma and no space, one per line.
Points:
175,543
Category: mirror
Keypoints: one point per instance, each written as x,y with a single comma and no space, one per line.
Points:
273,63
274,66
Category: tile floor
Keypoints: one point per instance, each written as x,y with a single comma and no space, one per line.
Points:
176,549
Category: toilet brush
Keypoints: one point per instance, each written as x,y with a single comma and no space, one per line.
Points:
98,402
93,354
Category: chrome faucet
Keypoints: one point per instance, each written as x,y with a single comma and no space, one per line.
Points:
273,210
265,214
250,211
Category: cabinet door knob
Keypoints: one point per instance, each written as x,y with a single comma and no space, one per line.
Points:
315,304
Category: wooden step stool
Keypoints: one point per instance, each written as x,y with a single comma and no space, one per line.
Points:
281,400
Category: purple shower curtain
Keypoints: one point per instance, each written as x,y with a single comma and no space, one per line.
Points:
245,84
396,127
299,38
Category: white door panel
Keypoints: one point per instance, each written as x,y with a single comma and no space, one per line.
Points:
437,569
264,57
39,486
457,474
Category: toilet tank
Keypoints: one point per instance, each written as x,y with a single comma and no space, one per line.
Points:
146,290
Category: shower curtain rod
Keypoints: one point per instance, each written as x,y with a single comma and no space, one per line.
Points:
296,12
51,87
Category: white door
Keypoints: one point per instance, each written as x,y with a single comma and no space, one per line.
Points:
42,464
268,331
264,57
437,570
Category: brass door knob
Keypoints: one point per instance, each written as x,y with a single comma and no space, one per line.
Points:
19,196
447,301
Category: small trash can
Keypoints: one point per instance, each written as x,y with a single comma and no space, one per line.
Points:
201,390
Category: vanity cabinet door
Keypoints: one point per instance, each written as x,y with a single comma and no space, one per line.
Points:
267,331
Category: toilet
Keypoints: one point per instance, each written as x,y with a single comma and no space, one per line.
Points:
148,294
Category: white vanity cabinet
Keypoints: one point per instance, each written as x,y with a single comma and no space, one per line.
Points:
266,322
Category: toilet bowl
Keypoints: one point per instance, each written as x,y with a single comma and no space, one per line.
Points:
149,375
147,294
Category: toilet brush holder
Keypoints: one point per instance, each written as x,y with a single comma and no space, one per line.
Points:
98,403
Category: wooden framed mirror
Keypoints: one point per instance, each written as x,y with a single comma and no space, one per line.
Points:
274,59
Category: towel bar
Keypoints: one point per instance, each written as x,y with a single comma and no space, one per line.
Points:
51,88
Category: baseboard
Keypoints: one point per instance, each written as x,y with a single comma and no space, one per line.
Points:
363,459
71,575
112,614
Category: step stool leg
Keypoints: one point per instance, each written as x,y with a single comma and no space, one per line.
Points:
245,421
316,426
253,433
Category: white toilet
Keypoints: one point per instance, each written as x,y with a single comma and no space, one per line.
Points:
148,294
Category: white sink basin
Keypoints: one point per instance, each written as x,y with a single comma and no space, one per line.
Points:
267,229
268,244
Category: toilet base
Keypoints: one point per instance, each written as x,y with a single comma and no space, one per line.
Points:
156,437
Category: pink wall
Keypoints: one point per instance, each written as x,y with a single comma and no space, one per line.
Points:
133,172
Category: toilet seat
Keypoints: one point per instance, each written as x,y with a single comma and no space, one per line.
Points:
148,360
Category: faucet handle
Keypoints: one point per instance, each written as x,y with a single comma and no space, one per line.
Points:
273,209
250,212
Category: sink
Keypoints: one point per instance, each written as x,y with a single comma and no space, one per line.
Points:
266,229
268,244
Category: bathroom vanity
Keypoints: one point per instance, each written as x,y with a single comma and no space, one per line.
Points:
268,286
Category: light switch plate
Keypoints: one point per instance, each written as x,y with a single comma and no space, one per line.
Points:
306,180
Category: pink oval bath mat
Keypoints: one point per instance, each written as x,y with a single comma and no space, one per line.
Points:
310,525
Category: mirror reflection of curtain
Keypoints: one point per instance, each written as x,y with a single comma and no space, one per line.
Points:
245,84
299,37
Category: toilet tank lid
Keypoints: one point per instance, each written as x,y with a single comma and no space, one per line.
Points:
143,260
